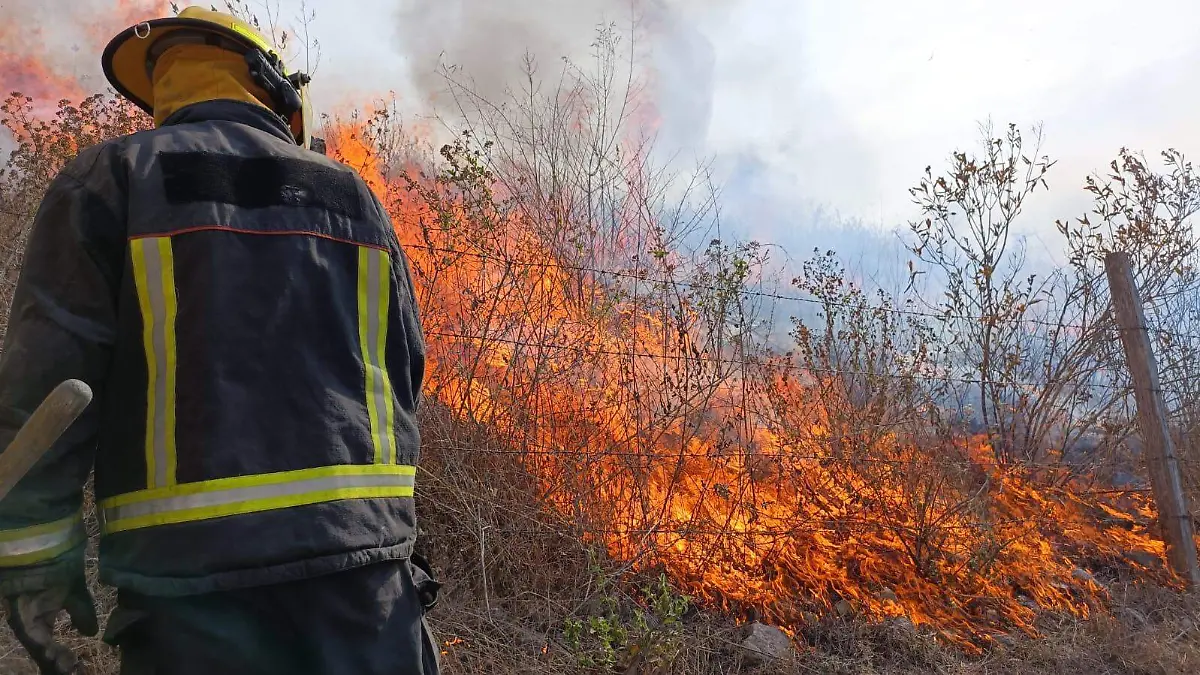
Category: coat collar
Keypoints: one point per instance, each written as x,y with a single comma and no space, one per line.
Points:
232,111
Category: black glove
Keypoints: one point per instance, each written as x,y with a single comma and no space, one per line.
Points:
422,576
32,616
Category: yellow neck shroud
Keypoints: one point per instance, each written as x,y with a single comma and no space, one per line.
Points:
189,74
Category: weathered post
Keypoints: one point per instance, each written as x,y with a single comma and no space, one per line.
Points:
1161,462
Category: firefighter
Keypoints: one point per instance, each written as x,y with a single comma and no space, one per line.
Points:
244,313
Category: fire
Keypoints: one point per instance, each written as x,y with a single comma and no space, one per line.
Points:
730,475
29,74
32,78
742,498
30,65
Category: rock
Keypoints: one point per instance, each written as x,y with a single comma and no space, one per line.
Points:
529,639
1029,603
1143,558
764,644
1122,480
888,595
844,608
1004,640
1134,616
1080,574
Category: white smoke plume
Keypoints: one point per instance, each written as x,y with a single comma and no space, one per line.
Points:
51,48
489,39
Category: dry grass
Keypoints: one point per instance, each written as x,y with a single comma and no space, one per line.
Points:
538,575
514,576
1151,631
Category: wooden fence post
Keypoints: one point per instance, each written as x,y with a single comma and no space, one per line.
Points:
1173,514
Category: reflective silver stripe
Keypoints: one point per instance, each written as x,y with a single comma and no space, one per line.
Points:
154,271
253,493
45,541
158,307
377,310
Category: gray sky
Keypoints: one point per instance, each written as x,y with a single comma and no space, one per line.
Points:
851,99
840,105
814,110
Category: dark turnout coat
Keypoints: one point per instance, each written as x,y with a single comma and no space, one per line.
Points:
243,311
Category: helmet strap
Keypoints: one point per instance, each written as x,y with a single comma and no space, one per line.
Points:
267,72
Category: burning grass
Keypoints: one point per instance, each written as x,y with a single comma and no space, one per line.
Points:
724,468
506,613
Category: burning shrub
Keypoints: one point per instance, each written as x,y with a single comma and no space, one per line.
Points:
629,376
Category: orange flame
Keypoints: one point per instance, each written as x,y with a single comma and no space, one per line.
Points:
32,78
28,73
27,64
746,516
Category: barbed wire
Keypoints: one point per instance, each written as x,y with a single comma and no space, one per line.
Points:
527,447
790,367
1172,333
683,531
706,287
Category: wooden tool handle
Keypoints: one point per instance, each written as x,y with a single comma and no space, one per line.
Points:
41,430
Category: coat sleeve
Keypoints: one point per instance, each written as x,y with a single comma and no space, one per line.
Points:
62,325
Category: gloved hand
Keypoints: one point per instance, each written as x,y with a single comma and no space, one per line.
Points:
32,616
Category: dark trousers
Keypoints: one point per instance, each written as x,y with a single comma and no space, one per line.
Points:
365,621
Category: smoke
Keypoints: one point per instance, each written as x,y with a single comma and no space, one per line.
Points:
488,41
51,49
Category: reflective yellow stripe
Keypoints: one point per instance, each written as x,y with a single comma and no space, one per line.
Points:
188,502
154,275
137,248
388,434
172,310
364,288
31,545
374,292
277,478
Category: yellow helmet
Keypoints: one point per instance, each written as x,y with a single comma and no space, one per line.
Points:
129,58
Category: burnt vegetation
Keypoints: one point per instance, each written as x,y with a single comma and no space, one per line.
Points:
632,450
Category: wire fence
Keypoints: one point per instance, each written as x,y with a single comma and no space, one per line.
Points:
810,468
646,277
527,448
546,265
775,364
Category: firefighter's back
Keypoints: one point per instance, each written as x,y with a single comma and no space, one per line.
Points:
252,430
